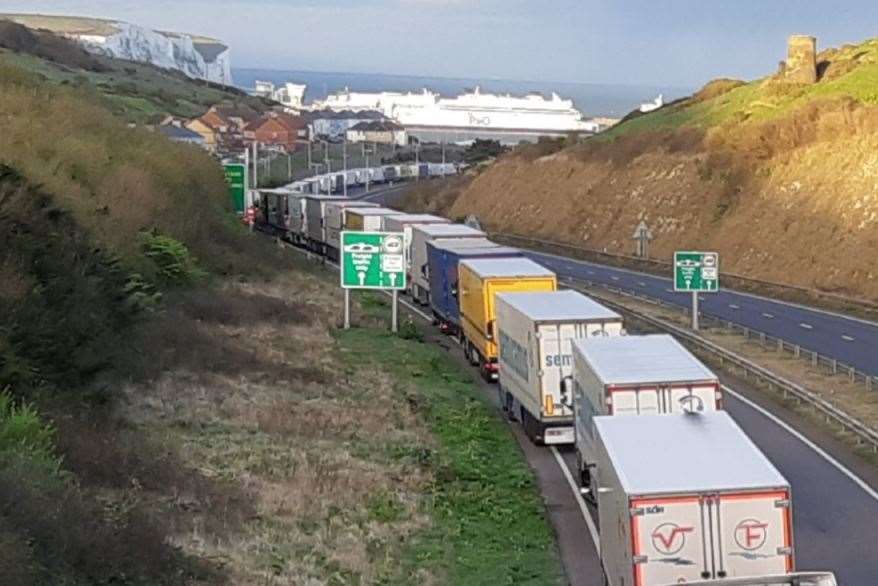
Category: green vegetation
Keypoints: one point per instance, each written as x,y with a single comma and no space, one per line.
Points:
489,524
135,92
847,73
483,150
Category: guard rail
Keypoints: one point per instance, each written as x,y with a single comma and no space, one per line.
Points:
864,434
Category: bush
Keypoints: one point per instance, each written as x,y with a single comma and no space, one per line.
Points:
172,259
22,433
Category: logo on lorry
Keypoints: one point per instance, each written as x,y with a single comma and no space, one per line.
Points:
670,538
559,360
751,534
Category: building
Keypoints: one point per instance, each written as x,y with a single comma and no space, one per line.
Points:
182,134
331,125
276,129
211,127
291,95
379,132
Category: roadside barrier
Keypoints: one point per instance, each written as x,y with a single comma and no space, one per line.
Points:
864,434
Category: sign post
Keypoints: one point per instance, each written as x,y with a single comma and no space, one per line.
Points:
373,260
642,235
236,177
696,272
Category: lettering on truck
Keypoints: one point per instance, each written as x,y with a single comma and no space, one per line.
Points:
515,355
559,360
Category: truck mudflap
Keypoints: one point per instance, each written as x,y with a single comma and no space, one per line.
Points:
560,435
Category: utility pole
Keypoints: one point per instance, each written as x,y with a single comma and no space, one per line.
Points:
443,155
368,171
344,158
255,165
289,166
328,167
417,161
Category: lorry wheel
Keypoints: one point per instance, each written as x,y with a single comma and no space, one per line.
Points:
501,398
474,357
531,427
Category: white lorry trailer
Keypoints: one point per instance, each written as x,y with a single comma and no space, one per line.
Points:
334,221
535,336
688,497
403,223
421,234
314,225
634,375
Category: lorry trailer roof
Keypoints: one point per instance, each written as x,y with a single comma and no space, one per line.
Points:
418,218
566,306
459,244
684,454
375,211
507,267
651,359
440,230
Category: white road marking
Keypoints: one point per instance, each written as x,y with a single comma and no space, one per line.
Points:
733,306
847,338
614,277
641,283
592,528
817,449
669,291
806,326
767,315
590,272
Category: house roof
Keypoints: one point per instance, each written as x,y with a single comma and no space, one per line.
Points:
178,133
377,125
343,115
288,123
214,119
242,111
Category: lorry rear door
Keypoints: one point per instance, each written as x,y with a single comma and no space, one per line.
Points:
670,540
754,534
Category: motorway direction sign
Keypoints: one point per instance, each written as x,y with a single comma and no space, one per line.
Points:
373,260
696,271
236,177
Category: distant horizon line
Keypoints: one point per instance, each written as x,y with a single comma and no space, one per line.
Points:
450,78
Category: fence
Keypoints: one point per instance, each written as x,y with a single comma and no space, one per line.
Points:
863,433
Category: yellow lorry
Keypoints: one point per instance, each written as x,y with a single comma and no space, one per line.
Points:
479,280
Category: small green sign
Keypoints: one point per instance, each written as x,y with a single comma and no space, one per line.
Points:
696,271
372,260
236,177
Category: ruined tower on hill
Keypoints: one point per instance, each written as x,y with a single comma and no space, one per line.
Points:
801,63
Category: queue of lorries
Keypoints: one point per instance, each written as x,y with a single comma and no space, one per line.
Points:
682,494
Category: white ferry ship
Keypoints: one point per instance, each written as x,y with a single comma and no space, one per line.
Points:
470,115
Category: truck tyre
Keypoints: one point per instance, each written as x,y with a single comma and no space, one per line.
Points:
531,427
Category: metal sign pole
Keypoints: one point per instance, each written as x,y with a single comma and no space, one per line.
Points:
695,310
347,309
394,322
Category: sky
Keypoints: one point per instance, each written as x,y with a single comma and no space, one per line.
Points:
640,42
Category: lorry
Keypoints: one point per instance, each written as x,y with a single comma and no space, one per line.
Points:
480,280
443,257
535,334
421,235
688,497
403,223
633,375
314,223
794,579
334,220
367,219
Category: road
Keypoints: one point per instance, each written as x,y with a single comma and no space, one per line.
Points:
849,340
835,495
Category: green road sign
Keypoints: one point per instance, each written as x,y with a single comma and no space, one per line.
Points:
236,177
372,260
696,271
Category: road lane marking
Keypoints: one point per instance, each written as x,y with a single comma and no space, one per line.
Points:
847,338
590,272
806,326
767,315
669,291
592,528
817,449
641,283
614,277
733,306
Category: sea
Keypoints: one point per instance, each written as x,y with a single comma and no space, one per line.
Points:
592,99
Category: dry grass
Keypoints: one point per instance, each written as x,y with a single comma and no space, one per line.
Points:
331,503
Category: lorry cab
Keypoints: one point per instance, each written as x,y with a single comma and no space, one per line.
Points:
796,579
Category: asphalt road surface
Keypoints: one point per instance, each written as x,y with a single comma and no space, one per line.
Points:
835,496
849,340
835,500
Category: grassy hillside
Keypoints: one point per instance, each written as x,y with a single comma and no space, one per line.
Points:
133,91
780,178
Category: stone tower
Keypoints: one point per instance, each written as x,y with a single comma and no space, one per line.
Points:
801,64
